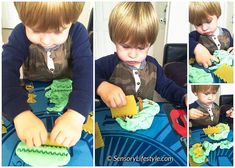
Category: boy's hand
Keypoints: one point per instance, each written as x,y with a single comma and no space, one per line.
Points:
195,114
112,95
229,113
30,129
68,128
203,56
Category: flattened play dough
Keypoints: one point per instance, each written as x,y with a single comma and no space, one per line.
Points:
43,155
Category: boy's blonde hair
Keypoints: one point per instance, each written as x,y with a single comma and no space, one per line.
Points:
199,11
44,16
133,22
204,88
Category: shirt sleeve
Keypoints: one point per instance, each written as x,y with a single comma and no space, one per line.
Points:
193,41
104,68
14,97
81,97
167,88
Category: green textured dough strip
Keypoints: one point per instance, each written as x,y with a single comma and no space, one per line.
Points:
43,155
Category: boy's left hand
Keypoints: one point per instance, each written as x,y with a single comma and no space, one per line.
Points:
229,113
68,128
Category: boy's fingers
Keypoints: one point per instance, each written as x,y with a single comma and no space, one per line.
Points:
73,142
66,142
205,65
213,58
60,138
37,140
54,133
123,98
43,136
29,142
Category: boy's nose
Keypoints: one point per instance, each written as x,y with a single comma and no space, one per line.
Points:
132,53
205,26
46,40
210,96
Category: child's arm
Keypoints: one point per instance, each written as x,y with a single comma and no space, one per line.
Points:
197,50
68,128
203,56
112,95
195,114
30,129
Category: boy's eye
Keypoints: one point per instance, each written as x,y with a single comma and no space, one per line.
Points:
209,21
141,48
125,46
36,31
58,32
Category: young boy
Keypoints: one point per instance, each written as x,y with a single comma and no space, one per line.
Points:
50,44
208,37
204,111
133,28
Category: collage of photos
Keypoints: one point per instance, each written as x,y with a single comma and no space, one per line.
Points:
117,83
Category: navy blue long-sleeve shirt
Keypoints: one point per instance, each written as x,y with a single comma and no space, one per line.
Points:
15,52
167,88
194,40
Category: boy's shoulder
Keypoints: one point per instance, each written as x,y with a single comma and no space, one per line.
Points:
77,27
108,58
193,105
19,29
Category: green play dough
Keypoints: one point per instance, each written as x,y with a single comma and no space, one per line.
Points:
58,94
226,144
144,118
43,155
199,159
225,58
197,75
223,134
207,146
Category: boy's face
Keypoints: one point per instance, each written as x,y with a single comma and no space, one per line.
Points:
208,27
132,55
207,98
48,39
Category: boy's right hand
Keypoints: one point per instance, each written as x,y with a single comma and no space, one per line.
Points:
195,114
203,56
112,95
30,129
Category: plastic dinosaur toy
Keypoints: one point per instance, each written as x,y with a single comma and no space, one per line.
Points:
58,94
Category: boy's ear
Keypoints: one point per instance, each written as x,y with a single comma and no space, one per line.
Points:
195,93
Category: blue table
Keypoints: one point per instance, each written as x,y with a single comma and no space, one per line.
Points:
219,157
81,153
124,148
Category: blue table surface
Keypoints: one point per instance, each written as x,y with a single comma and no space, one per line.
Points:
160,140
219,157
81,153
